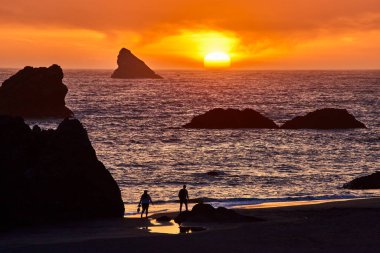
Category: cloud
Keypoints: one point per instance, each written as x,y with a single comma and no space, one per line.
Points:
234,15
165,31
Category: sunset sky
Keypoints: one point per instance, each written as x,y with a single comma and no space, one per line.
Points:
173,34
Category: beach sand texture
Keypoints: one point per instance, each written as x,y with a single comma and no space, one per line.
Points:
336,226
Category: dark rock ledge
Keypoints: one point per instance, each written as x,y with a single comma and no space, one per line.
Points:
327,118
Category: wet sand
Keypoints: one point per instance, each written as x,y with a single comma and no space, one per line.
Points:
335,226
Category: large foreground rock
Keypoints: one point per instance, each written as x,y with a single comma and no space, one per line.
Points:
367,182
131,67
52,175
328,118
207,213
35,93
231,118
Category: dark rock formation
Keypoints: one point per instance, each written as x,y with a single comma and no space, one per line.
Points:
35,93
367,182
207,213
52,175
328,118
231,118
131,67
163,219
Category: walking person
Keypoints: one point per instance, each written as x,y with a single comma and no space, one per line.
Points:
183,198
145,200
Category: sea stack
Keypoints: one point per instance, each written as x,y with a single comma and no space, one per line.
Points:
327,118
52,175
231,118
131,67
35,93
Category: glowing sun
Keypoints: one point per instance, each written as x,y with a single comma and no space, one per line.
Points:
217,60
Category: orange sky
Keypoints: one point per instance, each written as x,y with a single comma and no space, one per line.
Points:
176,34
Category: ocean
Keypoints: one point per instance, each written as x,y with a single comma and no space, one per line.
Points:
135,128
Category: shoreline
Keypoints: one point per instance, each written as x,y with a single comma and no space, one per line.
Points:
290,218
295,203
173,207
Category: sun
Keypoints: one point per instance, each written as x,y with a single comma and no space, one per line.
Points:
217,60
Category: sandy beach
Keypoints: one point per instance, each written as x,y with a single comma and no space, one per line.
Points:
334,226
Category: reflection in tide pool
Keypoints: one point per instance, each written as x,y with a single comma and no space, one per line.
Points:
170,228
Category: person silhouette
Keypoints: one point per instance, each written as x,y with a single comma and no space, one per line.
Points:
145,200
183,198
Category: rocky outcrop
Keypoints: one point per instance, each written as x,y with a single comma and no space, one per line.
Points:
231,118
35,93
207,213
367,182
131,67
53,175
328,118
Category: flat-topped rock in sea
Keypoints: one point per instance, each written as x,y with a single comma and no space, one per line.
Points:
131,67
207,213
52,175
35,93
327,118
231,118
367,182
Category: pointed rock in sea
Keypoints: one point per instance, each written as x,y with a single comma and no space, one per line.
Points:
131,67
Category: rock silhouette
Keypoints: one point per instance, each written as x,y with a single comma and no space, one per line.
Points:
231,118
207,213
35,93
131,67
367,182
163,219
52,175
327,118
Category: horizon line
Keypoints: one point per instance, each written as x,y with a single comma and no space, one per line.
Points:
217,70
